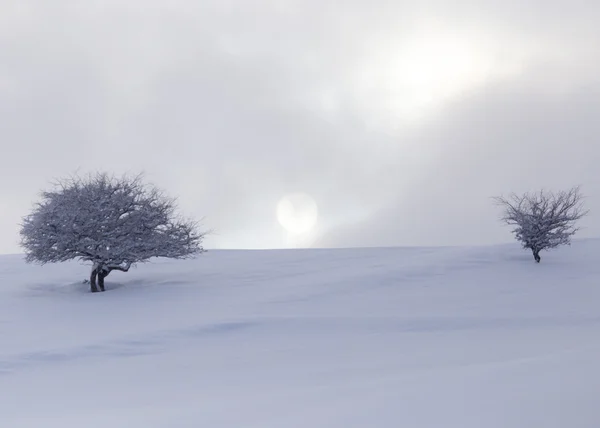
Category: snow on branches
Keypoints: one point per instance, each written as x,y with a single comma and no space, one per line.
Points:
543,220
111,222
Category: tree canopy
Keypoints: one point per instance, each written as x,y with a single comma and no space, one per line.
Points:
543,220
111,222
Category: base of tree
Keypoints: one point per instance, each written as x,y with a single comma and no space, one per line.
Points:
100,274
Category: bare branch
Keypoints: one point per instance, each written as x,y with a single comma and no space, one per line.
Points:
543,220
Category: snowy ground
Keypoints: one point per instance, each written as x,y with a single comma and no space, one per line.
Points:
446,337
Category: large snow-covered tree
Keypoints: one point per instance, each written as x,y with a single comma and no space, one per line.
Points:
111,222
543,220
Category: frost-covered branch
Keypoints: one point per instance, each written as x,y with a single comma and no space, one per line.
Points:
543,220
113,223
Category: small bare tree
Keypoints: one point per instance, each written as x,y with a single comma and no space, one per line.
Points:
543,220
111,222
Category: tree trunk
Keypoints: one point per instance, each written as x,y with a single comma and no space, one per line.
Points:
536,255
101,275
93,287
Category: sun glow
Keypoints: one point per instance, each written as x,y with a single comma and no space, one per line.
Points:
405,80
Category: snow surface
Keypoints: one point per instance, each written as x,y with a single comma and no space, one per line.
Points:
406,337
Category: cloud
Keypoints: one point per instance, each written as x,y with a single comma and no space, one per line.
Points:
398,120
508,138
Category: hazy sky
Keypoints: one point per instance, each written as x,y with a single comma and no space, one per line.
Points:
399,119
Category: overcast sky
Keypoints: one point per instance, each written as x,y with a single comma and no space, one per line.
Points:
399,119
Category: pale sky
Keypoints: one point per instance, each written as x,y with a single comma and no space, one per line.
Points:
399,120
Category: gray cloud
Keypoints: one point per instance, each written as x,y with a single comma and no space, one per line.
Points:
232,104
504,139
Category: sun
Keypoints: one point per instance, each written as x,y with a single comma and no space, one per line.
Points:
297,213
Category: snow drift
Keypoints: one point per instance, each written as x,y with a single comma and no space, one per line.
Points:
394,337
